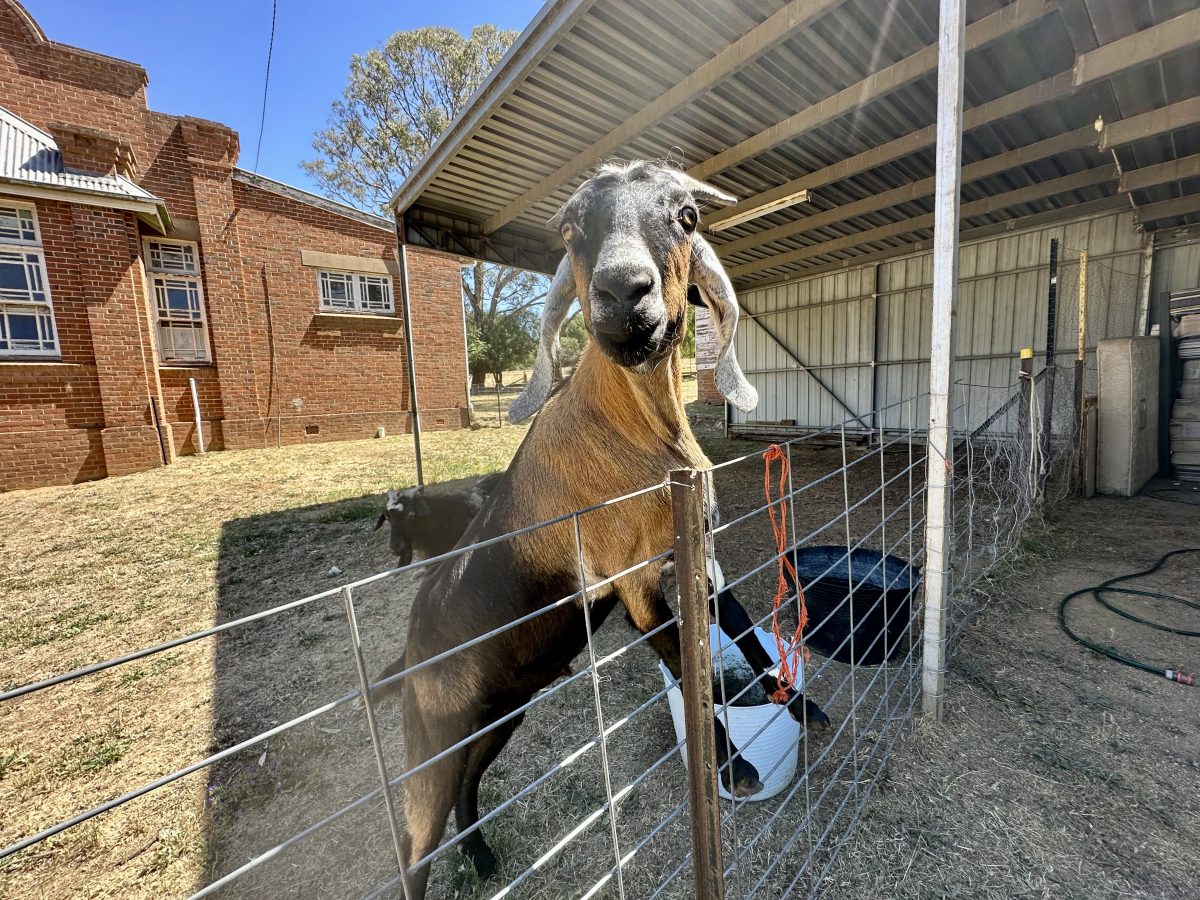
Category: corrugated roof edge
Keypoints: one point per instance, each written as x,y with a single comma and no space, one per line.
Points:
538,38
302,196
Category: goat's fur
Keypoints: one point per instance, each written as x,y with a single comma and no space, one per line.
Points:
616,426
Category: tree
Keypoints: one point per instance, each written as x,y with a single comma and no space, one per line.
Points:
502,343
493,295
399,99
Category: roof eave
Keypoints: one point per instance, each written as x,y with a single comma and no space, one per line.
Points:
151,210
538,38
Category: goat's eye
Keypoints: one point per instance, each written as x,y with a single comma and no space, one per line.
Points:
688,218
568,231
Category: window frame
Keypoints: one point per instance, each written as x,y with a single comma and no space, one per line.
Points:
159,278
357,281
34,259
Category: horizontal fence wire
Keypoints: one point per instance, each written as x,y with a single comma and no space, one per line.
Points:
798,833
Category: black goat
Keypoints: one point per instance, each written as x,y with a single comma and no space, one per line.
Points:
429,522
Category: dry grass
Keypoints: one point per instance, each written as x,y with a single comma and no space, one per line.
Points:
94,570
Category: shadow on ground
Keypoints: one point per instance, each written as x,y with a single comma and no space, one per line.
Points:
285,666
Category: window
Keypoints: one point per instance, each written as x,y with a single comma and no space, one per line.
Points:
26,313
173,268
355,293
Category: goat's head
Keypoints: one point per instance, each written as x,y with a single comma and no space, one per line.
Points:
633,252
403,510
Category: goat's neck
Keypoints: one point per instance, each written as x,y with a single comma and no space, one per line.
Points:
640,405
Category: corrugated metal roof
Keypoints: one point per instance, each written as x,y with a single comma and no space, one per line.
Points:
31,156
787,101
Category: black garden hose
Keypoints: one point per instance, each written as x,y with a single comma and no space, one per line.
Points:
1110,587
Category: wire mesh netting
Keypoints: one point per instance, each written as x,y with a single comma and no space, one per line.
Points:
590,797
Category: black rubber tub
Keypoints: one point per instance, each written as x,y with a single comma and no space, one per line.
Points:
881,582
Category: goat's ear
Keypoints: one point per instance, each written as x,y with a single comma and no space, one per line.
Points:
379,522
702,191
554,315
717,293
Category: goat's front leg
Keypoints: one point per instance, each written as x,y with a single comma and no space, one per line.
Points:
648,609
736,624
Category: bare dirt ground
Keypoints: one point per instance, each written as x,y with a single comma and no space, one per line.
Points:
1056,773
1052,775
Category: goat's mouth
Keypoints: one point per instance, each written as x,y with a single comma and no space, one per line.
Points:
632,348
641,344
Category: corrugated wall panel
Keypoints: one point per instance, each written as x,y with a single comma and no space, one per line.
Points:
829,321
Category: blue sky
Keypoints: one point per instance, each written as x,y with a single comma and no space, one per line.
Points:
207,59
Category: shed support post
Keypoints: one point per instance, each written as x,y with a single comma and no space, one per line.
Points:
691,576
410,362
1080,371
940,461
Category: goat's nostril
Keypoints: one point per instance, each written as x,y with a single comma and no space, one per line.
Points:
622,285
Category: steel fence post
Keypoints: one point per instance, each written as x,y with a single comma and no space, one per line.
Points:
369,708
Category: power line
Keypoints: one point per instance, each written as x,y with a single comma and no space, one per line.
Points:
262,122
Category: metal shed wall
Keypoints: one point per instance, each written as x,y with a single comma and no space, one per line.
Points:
864,332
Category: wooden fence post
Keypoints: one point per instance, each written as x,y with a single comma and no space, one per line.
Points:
691,576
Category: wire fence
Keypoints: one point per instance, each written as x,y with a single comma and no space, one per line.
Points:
591,796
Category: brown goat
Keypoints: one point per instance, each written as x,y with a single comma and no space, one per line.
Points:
616,426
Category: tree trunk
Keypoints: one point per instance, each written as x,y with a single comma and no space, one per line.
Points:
478,376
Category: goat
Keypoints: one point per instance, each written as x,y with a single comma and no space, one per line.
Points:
430,522
617,425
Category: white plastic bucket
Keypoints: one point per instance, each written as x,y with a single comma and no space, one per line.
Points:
772,753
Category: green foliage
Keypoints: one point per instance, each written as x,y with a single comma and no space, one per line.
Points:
502,307
574,337
502,342
399,98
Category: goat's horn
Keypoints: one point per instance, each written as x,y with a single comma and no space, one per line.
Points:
700,190
554,315
717,293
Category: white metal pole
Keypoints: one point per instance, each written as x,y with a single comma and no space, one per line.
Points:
196,412
940,462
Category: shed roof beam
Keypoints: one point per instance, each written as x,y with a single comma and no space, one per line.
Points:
1034,220
1141,47
1052,88
1151,124
912,68
1168,209
753,44
1028,194
1061,143
1149,176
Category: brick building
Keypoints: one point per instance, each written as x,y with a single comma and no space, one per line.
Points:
135,256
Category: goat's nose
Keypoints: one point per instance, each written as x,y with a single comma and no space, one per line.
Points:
623,284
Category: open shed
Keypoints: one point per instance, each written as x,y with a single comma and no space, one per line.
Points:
1081,124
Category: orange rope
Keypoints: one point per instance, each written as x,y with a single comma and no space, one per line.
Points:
793,653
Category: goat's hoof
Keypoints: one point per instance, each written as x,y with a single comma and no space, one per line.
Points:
817,720
747,788
744,777
483,860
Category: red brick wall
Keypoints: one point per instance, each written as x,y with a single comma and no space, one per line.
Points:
95,412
